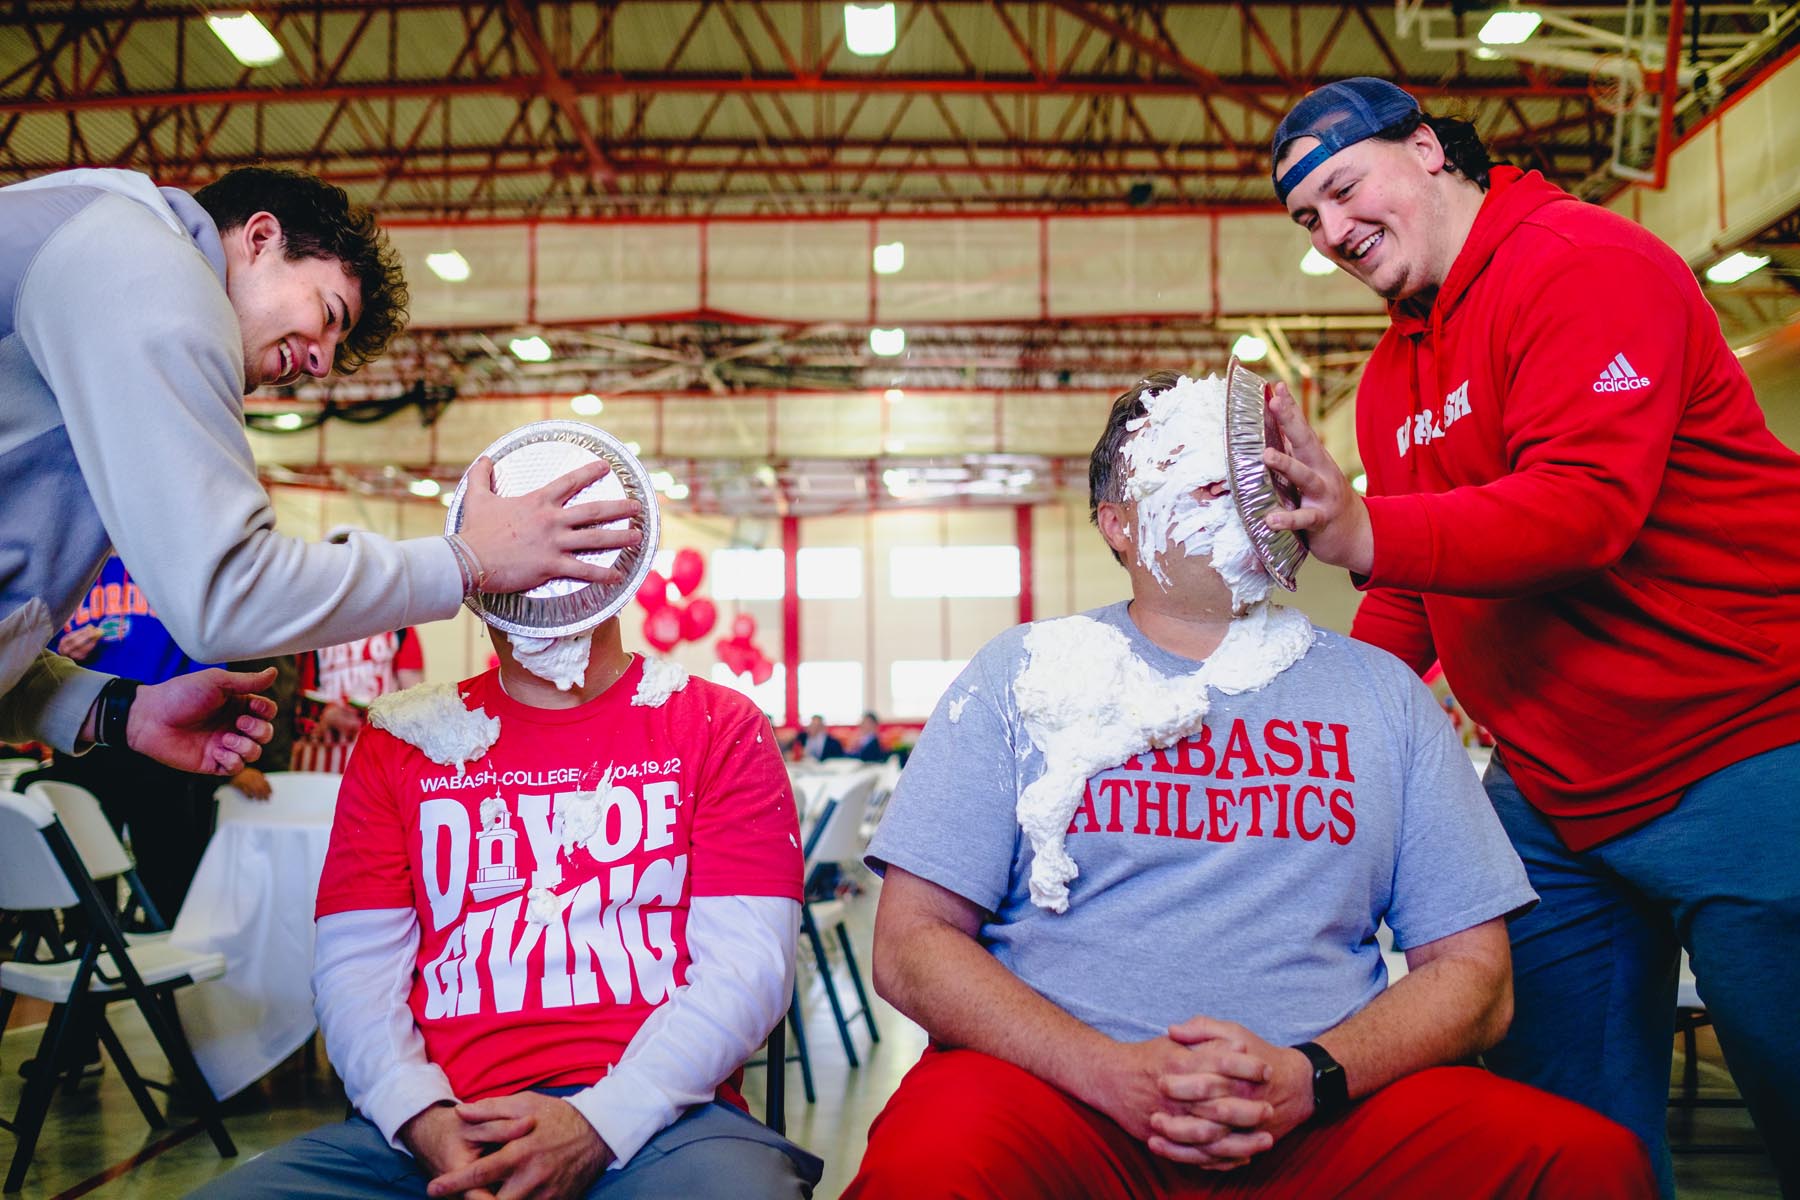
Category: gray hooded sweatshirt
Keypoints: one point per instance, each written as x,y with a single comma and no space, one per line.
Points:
122,422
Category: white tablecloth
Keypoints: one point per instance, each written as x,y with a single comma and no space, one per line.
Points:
252,901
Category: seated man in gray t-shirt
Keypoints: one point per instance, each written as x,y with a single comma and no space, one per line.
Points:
1133,875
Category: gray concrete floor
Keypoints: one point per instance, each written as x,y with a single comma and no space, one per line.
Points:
91,1137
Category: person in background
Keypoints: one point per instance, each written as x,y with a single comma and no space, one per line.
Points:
1573,501
819,743
165,814
338,683
134,320
868,745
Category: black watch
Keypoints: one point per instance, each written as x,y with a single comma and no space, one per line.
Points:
1331,1088
115,711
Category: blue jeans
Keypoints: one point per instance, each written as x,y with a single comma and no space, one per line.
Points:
1595,963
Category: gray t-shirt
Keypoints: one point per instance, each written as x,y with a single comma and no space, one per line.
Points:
1240,874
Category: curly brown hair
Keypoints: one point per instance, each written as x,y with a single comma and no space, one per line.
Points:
318,221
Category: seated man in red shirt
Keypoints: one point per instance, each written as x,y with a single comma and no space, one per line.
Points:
552,926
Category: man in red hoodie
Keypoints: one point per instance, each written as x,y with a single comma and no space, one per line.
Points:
1575,503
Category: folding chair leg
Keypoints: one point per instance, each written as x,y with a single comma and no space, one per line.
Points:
800,1050
40,1087
775,1085
188,1075
128,1072
139,897
862,994
831,993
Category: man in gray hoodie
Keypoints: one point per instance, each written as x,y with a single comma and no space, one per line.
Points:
133,321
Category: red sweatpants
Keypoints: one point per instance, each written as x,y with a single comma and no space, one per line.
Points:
966,1125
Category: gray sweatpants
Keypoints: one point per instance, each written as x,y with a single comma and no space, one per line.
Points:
712,1150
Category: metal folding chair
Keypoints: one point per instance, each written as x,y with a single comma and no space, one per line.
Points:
41,871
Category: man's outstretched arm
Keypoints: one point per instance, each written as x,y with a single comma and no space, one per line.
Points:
930,965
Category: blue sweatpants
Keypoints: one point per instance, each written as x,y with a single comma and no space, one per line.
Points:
1595,963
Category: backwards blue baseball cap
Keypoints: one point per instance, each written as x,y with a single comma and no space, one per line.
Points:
1338,114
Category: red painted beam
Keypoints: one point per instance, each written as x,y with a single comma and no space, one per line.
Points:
790,619
1022,535
526,86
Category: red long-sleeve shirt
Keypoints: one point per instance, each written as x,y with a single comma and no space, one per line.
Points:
1578,506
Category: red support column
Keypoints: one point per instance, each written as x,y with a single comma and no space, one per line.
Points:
1022,526
790,618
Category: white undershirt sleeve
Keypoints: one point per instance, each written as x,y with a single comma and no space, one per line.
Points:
362,972
740,977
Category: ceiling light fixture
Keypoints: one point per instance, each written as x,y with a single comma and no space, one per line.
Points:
531,349
893,395
887,342
890,258
1509,27
1316,264
869,29
587,404
677,491
424,487
448,266
1249,348
1361,485
249,41
289,421
1735,267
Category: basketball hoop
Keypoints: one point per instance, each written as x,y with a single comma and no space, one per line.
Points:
1616,83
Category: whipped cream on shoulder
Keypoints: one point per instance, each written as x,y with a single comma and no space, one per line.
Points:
662,678
1089,703
434,718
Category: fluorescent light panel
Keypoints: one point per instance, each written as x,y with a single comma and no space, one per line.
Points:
247,38
887,342
448,266
890,258
531,349
1509,27
1250,348
1316,264
1734,268
869,29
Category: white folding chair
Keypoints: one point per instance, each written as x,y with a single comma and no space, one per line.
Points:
101,852
837,838
304,796
41,870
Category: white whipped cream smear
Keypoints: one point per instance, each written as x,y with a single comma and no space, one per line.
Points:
1088,702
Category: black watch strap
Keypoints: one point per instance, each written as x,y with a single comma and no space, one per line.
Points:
1331,1088
115,711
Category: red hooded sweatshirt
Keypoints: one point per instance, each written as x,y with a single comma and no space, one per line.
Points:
1579,508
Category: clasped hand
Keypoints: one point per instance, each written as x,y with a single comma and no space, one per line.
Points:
516,1147
1210,1093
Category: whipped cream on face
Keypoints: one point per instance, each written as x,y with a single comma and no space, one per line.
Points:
561,661
1177,449
662,678
434,718
1089,703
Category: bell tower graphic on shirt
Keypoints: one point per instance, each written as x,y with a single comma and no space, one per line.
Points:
496,849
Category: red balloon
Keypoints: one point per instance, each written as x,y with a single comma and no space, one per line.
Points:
743,626
662,628
761,670
698,619
654,594
688,569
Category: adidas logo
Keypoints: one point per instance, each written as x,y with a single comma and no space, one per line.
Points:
1620,376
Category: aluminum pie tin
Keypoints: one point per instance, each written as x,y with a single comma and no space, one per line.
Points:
1250,428
526,459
